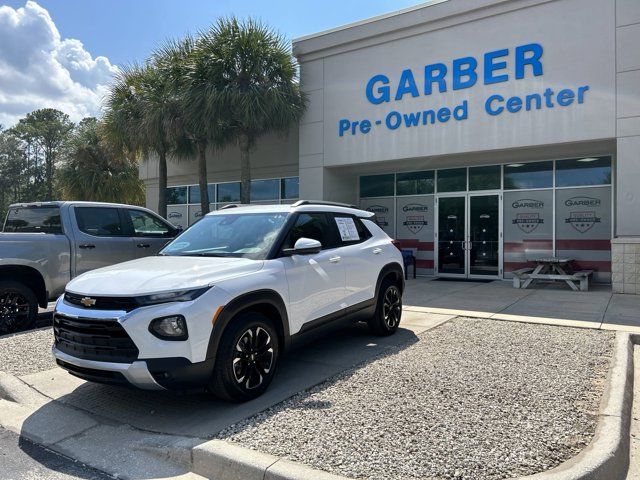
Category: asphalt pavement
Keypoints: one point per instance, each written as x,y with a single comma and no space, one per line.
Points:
21,459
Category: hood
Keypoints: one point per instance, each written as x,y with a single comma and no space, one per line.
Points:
160,274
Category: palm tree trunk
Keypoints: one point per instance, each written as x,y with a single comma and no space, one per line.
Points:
162,184
202,177
49,170
245,169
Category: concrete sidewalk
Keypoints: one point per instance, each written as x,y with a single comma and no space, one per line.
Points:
544,303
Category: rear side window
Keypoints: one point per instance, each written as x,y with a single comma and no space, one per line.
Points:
33,220
317,226
99,221
146,225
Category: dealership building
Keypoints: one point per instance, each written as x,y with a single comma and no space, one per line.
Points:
483,133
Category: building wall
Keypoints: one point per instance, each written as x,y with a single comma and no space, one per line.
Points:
335,78
626,248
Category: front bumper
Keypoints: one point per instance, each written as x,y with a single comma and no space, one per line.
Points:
135,373
116,347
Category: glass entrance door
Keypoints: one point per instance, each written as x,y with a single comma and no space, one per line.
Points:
469,242
484,235
452,220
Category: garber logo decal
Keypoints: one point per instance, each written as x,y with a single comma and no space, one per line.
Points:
527,222
415,207
582,221
379,209
415,223
175,215
528,203
582,202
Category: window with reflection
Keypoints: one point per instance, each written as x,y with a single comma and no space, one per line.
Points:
194,193
518,176
176,195
583,171
415,183
484,178
452,180
265,190
229,192
377,185
290,188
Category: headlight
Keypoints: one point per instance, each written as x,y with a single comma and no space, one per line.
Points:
173,327
178,296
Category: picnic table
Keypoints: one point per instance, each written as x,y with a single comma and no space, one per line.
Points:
552,268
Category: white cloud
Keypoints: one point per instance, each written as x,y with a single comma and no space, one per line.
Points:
40,69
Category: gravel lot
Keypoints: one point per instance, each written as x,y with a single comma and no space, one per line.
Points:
473,399
27,352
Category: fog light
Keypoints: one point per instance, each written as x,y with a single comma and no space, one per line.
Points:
173,327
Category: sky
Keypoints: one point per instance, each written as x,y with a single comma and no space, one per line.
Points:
63,53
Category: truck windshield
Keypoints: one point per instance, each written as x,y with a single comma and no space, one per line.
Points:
33,220
248,235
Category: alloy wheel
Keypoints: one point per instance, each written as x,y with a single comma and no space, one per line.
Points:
253,358
391,307
14,310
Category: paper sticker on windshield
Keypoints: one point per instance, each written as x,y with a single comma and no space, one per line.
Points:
348,230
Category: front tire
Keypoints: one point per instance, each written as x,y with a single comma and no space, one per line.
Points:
386,319
247,358
18,307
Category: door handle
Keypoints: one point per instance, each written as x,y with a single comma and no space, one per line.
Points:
86,245
143,245
376,251
335,259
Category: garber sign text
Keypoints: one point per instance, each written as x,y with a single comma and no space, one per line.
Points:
495,67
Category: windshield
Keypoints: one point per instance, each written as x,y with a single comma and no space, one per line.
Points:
248,235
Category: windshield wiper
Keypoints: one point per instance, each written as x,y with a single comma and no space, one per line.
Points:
203,254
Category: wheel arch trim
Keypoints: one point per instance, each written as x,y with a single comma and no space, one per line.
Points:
245,302
390,268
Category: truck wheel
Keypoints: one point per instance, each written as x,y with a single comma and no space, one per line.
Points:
247,358
18,307
388,310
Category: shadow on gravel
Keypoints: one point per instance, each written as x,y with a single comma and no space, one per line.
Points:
197,415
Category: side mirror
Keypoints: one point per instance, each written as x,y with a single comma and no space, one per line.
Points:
304,246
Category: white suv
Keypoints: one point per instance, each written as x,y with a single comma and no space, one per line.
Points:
220,303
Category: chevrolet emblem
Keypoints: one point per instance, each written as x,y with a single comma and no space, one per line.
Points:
88,301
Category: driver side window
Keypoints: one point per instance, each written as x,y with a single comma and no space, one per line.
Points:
316,226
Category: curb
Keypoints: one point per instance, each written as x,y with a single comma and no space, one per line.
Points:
607,455
222,460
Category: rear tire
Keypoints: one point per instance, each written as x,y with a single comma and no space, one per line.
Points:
247,358
386,319
18,307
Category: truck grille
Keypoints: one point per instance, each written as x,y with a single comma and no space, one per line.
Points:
90,339
103,303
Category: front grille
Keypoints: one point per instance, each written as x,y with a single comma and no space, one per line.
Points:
103,303
90,339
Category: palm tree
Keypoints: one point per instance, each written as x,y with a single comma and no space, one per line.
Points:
95,170
174,61
243,84
143,116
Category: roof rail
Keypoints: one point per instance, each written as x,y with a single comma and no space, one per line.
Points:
299,203
231,205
